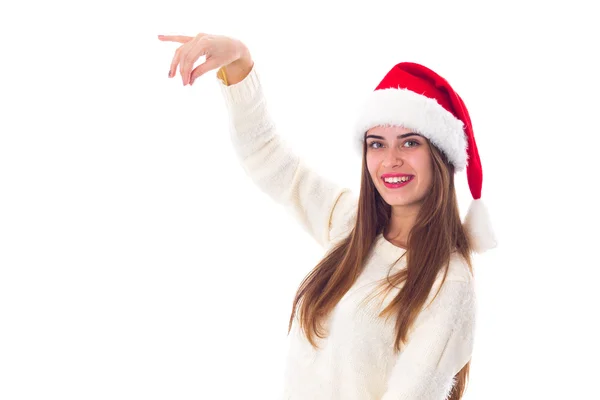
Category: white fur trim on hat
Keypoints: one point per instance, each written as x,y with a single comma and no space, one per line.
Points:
420,113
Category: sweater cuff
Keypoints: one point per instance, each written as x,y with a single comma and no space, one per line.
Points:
243,91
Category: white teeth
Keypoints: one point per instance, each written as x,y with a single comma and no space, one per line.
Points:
397,179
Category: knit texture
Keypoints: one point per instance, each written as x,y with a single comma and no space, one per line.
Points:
356,360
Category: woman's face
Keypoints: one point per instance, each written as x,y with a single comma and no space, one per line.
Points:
394,150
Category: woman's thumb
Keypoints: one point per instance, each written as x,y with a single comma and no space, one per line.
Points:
202,69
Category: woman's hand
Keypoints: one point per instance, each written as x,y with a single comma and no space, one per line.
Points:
219,51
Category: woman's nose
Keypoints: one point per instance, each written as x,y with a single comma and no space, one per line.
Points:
393,157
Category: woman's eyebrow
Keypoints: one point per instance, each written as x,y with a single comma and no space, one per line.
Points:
399,136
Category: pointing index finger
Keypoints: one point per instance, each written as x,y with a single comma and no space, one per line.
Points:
175,38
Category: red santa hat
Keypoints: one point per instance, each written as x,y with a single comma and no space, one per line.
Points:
415,97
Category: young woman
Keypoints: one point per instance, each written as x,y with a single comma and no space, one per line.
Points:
389,312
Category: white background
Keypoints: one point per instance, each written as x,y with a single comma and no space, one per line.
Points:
137,261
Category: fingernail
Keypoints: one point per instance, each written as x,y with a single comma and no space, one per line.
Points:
169,73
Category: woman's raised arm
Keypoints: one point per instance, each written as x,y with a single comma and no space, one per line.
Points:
322,207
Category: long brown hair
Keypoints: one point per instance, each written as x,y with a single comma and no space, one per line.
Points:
437,232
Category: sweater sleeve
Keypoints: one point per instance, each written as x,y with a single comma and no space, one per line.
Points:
439,345
323,209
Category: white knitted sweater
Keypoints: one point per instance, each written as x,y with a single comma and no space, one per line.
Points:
356,360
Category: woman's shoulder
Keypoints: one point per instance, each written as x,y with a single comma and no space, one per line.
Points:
458,269
457,291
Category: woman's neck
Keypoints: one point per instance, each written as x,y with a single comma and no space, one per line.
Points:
397,240
400,225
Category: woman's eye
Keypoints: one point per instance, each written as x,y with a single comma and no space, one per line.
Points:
413,143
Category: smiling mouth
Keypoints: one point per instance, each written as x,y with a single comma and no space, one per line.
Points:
400,183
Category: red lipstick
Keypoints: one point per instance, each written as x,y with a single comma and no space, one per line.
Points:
399,184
